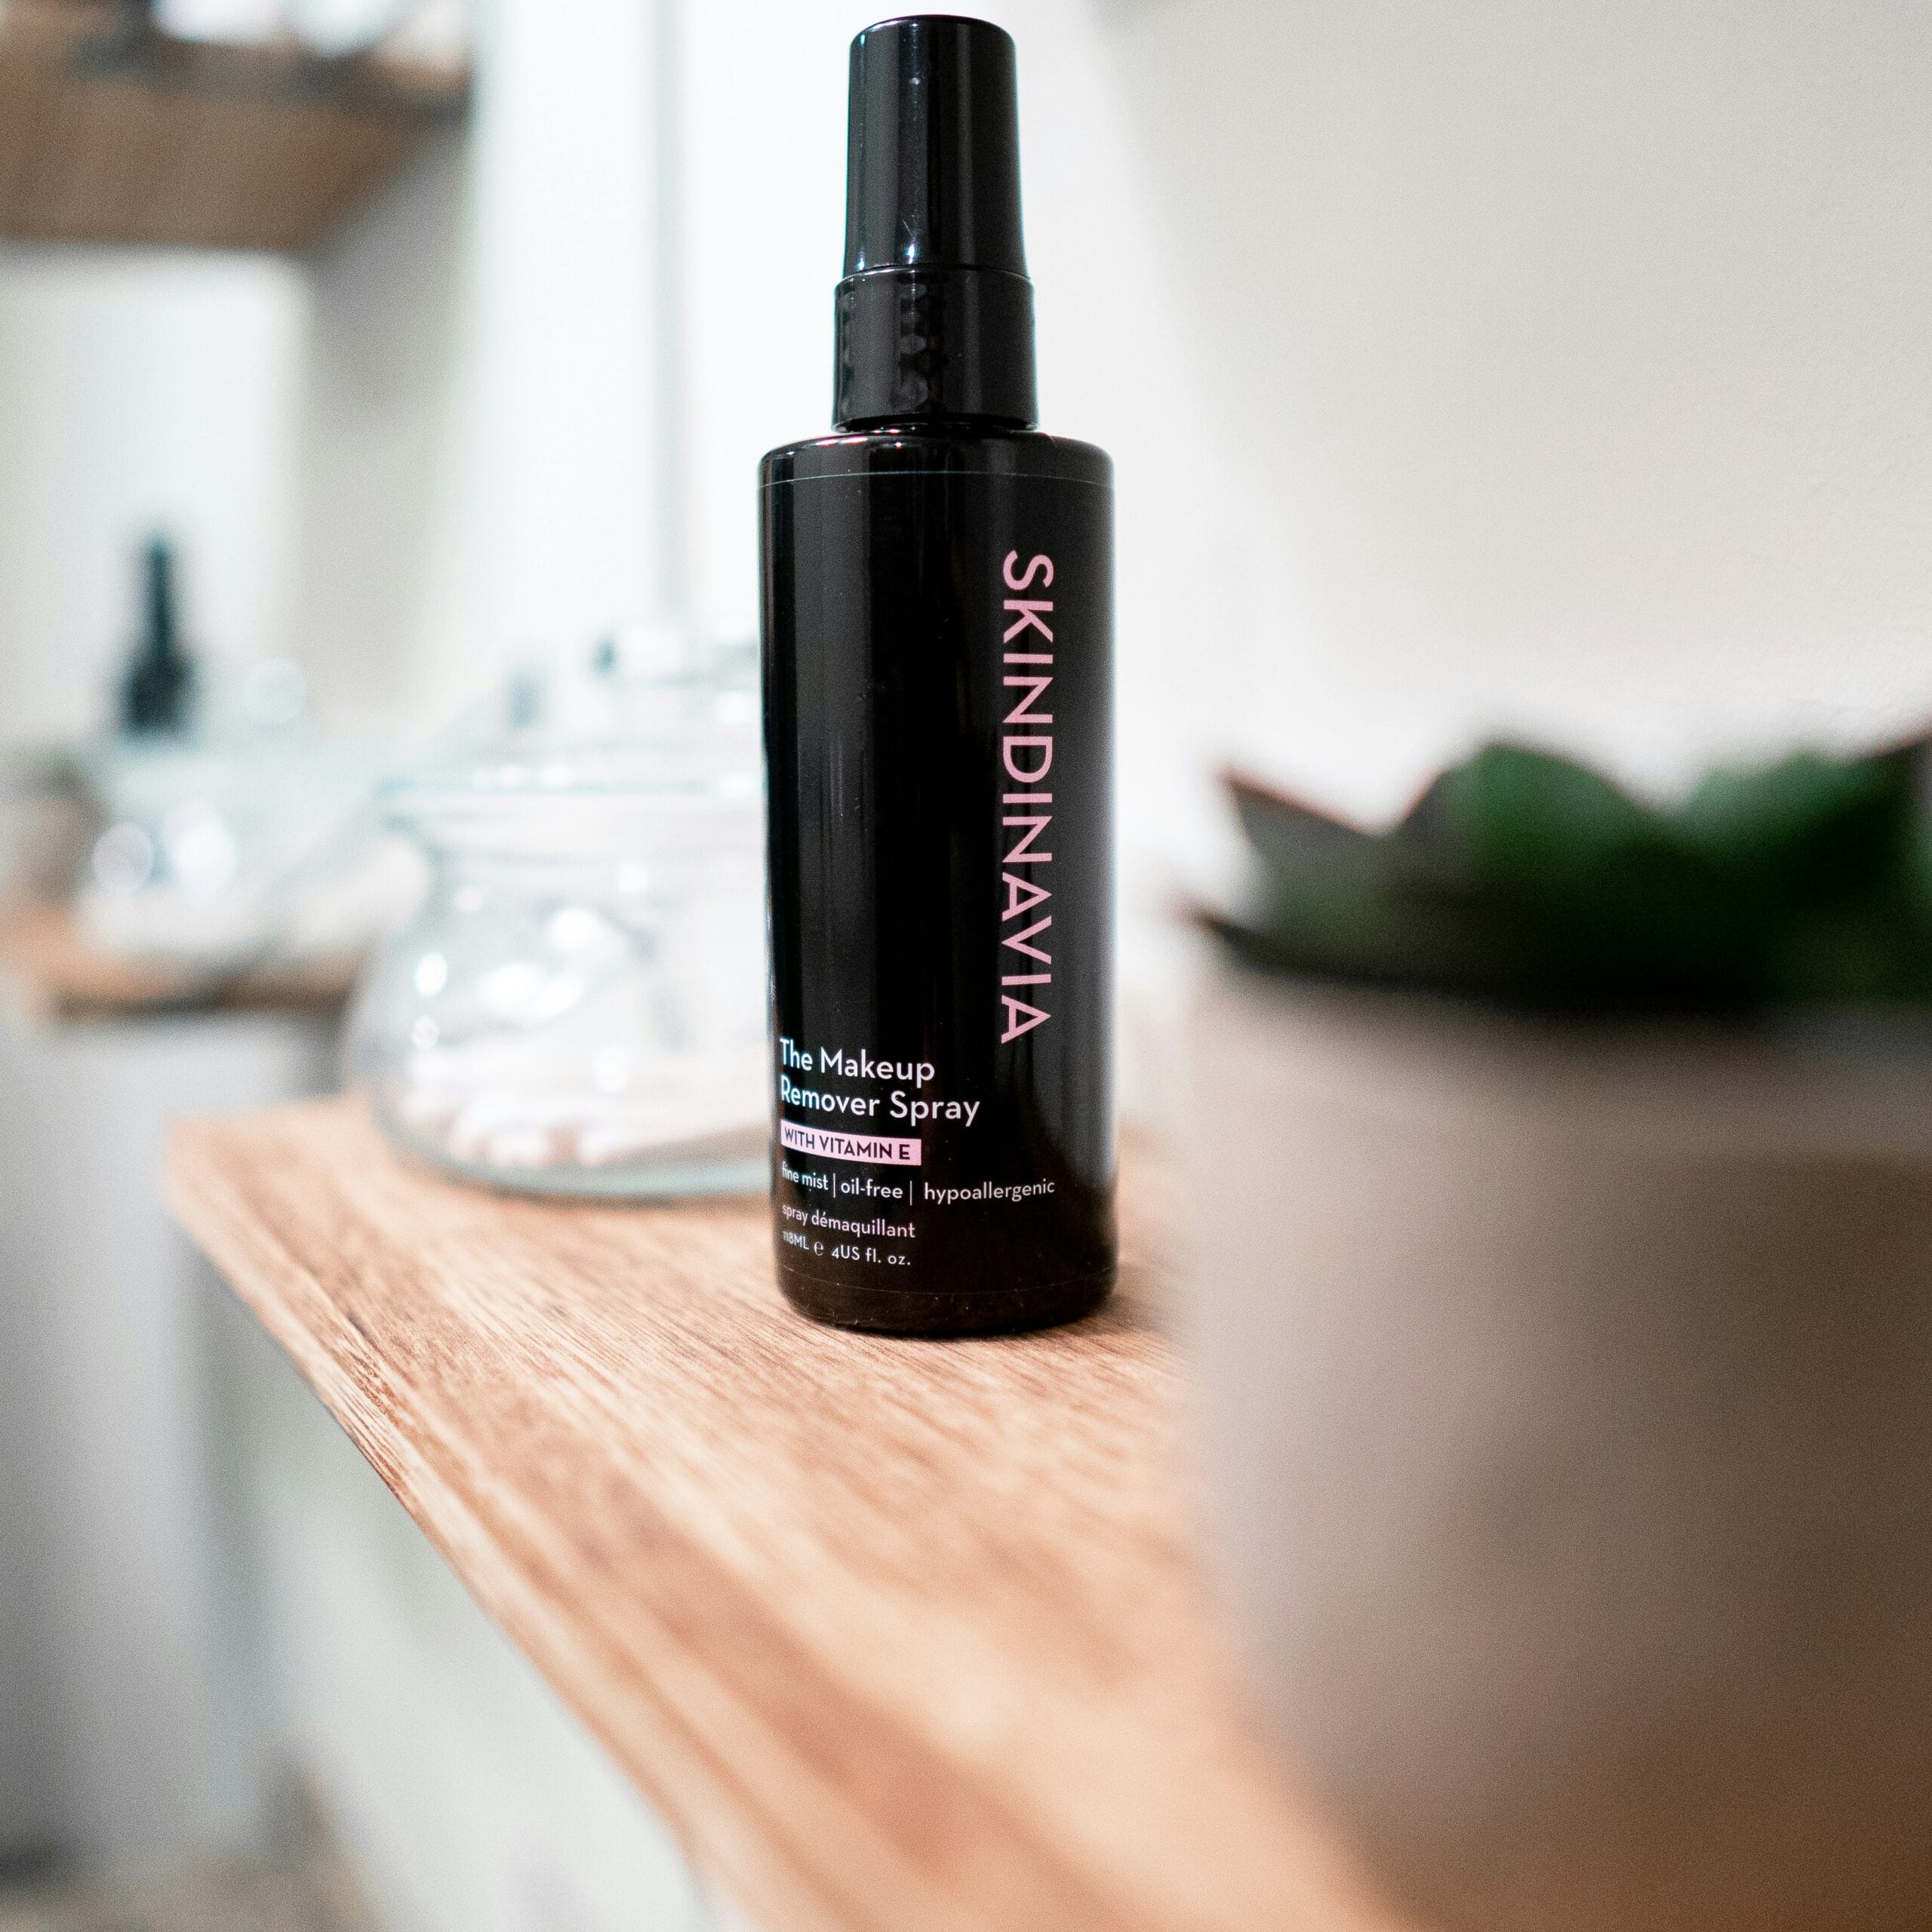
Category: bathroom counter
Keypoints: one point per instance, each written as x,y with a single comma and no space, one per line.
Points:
896,1634
51,972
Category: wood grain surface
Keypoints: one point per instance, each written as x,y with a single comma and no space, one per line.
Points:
160,141
900,1636
50,972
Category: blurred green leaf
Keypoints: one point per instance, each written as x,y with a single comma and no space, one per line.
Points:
1524,877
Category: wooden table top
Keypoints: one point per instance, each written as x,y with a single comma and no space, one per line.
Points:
51,972
899,1636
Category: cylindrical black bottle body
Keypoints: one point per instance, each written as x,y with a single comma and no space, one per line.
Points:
937,619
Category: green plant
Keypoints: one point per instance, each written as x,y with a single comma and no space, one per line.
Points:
1524,878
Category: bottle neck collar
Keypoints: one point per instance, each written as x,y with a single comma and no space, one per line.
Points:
915,344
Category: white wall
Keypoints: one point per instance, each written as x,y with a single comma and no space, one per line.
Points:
120,1741
382,605
1576,356
484,476
138,391
561,333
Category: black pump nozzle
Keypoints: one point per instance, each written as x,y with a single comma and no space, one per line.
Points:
154,694
935,316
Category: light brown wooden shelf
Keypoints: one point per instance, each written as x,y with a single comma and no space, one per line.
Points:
901,1636
49,972
110,137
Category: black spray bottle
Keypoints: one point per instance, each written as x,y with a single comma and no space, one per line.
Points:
938,630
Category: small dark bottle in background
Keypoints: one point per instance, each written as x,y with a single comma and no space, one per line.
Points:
938,625
158,686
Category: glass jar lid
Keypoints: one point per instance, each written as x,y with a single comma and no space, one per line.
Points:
663,758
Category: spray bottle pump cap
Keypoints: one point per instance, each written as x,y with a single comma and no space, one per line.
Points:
935,315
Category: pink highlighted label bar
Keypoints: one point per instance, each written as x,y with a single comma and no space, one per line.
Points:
869,1149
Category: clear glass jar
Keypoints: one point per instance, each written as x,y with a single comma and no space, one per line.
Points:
580,1006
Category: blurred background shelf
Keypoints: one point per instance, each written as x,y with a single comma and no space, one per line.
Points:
51,972
896,1634
112,132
